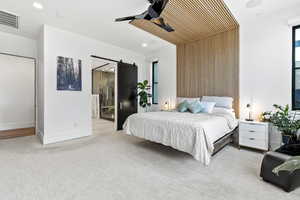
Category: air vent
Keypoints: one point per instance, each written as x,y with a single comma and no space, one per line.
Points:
9,19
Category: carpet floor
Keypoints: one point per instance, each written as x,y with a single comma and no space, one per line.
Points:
114,166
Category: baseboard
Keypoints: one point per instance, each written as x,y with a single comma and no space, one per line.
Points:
40,134
12,126
49,138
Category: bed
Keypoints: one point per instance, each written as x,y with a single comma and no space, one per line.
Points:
201,135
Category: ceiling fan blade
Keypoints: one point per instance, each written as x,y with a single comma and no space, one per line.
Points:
165,4
130,18
161,23
125,19
164,26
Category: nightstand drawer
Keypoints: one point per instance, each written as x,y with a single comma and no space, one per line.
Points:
253,143
252,127
253,134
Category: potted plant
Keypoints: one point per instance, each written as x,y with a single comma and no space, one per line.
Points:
286,123
144,94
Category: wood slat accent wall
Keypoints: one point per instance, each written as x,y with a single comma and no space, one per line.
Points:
192,20
210,67
207,39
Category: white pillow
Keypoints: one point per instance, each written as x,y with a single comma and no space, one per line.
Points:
189,100
223,102
224,111
207,107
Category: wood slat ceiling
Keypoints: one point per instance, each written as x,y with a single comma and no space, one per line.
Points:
192,20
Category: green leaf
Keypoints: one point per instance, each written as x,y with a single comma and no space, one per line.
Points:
290,165
143,93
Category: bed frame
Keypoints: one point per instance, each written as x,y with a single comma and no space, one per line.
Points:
231,137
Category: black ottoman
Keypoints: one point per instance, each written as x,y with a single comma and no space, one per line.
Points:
285,180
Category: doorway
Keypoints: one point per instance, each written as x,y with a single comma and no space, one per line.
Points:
114,93
103,93
18,97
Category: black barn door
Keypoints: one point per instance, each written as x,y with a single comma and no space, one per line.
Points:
127,92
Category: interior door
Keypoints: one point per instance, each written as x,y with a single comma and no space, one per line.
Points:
17,96
127,92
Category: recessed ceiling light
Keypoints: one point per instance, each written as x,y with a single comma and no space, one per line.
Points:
38,5
144,45
253,3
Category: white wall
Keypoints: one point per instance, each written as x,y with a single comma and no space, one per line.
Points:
166,58
17,92
67,114
17,45
19,111
40,85
265,64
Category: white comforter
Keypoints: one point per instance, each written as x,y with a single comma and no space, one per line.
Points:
191,133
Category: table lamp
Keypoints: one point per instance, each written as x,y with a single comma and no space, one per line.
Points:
249,108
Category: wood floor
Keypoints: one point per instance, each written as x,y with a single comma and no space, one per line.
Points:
99,124
17,133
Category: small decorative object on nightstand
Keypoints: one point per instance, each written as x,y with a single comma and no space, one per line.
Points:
254,134
249,107
166,106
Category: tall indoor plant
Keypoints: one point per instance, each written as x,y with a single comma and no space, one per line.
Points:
144,94
286,123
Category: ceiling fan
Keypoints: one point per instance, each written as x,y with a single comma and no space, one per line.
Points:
152,14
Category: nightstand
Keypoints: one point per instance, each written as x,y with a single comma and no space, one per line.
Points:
254,135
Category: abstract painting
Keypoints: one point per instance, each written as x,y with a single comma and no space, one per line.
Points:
69,74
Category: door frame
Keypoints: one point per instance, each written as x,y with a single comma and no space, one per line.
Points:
116,86
35,85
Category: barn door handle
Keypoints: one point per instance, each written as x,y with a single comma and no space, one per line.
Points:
121,106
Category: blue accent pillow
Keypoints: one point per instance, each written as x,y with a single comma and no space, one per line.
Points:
195,107
183,106
207,107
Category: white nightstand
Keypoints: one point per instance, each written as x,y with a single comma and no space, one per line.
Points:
254,135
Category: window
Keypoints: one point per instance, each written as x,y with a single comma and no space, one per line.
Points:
296,68
155,82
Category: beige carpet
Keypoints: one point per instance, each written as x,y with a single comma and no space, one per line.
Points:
111,165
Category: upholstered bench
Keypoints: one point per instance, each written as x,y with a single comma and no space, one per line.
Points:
286,180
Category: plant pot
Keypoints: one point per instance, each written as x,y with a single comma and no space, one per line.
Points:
289,139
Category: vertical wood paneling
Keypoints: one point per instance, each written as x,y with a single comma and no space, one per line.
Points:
210,67
207,39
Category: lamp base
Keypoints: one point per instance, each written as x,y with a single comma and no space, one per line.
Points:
249,120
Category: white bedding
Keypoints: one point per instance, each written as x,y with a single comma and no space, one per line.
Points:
191,133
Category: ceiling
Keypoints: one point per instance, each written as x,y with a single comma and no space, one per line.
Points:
95,19
267,7
92,18
192,20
